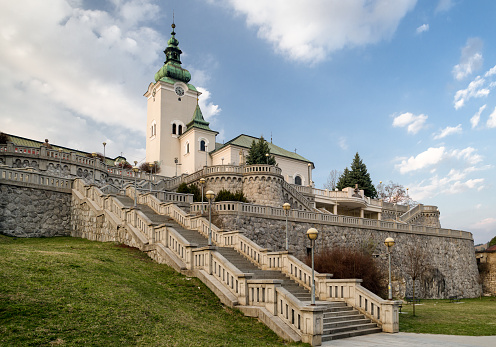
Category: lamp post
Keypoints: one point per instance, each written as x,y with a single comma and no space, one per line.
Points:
202,184
176,161
389,242
104,157
94,165
309,174
206,154
267,157
312,234
210,196
286,206
60,162
150,165
135,170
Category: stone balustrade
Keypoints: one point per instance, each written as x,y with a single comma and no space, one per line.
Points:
28,177
234,207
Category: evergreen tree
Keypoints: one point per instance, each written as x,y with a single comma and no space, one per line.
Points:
357,175
257,153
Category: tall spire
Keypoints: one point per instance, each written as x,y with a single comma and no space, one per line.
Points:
172,66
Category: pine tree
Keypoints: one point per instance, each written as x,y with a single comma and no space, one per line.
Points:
357,175
257,153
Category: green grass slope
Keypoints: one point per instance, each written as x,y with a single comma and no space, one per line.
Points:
73,292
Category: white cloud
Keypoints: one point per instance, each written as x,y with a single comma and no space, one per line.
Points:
343,143
490,72
448,131
491,122
311,30
430,157
209,110
449,184
476,117
422,28
471,59
413,123
435,155
443,6
474,90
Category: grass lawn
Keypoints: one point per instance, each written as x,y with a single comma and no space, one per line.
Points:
74,292
472,317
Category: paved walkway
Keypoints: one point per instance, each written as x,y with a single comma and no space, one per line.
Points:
414,340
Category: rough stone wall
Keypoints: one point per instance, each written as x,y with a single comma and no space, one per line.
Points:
430,219
232,183
488,274
454,269
264,190
31,212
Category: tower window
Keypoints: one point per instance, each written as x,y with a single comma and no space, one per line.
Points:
202,145
174,128
187,147
179,129
298,180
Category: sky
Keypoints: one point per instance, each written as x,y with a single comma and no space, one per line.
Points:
409,85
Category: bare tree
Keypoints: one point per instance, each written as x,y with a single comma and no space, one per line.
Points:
416,265
394,193
332,179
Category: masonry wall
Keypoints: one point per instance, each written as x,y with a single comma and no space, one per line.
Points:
453,265
30,212
488,273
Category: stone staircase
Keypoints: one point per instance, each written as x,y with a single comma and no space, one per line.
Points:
339,321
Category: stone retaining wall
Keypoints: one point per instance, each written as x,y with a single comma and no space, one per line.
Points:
453,265
32,212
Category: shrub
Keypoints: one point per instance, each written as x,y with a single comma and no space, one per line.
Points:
351,263
226,195
191,189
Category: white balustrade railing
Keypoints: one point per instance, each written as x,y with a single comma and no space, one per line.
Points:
235,207
29,177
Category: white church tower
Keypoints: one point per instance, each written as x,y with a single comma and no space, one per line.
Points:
178,137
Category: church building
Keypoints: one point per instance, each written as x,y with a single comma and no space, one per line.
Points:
180,139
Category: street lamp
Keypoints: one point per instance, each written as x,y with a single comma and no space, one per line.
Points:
135,170
104,157
94,165
267,156
312,234
202,184
150,165
389,242
176,161
309,174
210,196
286,206
60,162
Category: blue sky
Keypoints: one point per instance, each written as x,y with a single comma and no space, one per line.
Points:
409,85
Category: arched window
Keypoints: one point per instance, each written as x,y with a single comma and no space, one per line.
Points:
180,129
298,180
174,128
187,147
202,145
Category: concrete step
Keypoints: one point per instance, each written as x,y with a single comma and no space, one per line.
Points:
330,337
355,321
348,328
343,317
